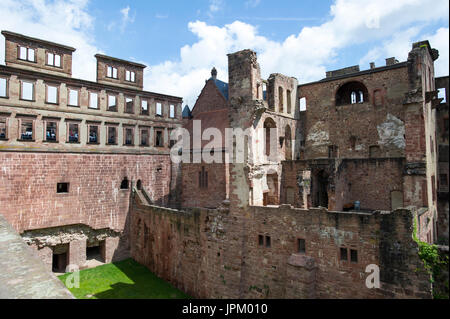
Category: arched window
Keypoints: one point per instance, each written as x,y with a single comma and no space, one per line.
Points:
139,185
280,100
268,125
124,184
288,97
288,147
352,93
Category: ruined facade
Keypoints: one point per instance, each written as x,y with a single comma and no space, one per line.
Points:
334,176
71,150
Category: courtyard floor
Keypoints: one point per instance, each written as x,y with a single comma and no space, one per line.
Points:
126,279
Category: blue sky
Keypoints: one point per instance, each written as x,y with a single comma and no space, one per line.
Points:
181,41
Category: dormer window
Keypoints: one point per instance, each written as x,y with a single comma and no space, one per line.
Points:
111,72
130,76
53,59
26,54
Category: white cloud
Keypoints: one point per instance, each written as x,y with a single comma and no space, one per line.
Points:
214,7
252,3
126,18
61,21
305,54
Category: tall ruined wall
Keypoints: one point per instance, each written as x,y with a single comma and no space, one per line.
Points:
29,200
216,254
354,128
353,180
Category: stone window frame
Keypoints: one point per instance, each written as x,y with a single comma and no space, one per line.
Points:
57,86
47,53
130,72
89,100
33,83
349,257
46,120
155,130
125,108
6,78
98,125
172,107
116,95
124,131
115,126
78,96
21,118
144,128
28,48
112,72
148,106
72,122
5,117
156,108
299,240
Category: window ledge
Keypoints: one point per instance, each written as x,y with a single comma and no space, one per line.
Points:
111,144
4,139
69,142
25,100
4,97
93,143
45,141
51,103
20,140
73,105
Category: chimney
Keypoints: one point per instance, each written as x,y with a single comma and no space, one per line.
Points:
214,73
372,65
391,61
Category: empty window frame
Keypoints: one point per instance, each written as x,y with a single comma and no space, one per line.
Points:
158,109
145,137
93,100
112,102
129,105
51,131
172,111
128,133
332,151
73,97
288,98
112,135
302,102
53,59
130,76
124,184
203,178
353,255
280,100
26,54
26,90
111,72
73,132
159,138
343,254
52,94
3,87
268,242
144,107
93,136
3,128
260,240
301,245
62,188
27,129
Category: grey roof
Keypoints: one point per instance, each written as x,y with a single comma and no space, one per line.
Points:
186,112
222,86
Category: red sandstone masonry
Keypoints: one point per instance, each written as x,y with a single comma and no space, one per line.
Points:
28,197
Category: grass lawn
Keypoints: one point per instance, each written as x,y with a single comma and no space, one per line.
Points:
122,280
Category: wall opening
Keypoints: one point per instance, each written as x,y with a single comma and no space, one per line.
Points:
321,189
288,143
124,184
95,251
280,100
268,125
352,93
139,184
60,258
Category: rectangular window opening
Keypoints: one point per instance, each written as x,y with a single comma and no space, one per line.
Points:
93,100
301,245
73,97
353,256
51,132
344,254
3,87
260,240
62,188
268,243
26,130
93,134
3,129
73,133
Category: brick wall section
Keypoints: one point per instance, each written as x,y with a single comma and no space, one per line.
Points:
195,196
216,254
28,188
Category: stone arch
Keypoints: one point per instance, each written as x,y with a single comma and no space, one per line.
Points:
288,143
269,124
352,93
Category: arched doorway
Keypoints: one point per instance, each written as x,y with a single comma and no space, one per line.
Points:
269,125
